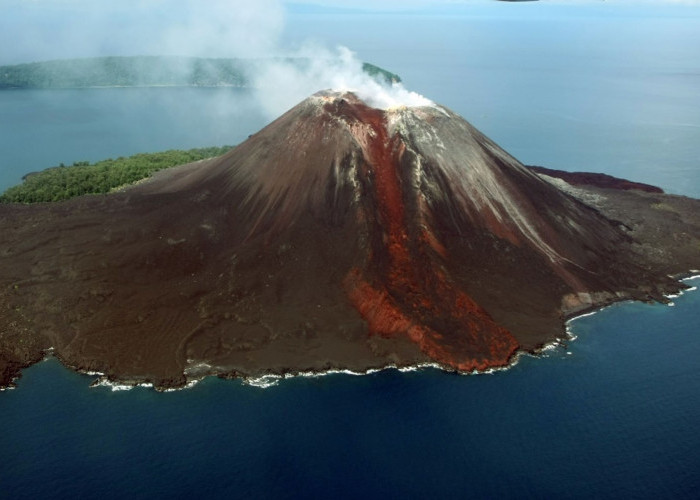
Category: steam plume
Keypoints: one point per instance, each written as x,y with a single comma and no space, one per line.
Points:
281,83
55,29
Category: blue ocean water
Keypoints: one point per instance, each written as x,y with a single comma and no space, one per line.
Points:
43,128
612,415
575,89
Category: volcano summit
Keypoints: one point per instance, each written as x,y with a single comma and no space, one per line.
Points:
340,236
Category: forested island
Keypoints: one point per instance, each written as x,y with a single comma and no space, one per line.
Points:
148,71
64,182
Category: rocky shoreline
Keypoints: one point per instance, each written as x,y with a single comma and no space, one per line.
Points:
9,378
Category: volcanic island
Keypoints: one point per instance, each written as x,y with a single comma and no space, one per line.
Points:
339,237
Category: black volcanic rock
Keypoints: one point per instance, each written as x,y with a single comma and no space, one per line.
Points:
339,236
595,180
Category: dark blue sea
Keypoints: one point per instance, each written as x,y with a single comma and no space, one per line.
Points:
613,414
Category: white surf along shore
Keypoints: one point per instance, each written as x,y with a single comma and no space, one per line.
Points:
270,380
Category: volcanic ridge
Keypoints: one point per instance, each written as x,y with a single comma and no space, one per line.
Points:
340,236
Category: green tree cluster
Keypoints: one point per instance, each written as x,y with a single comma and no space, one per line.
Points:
64,182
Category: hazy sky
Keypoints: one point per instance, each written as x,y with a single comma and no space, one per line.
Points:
33,30
44,29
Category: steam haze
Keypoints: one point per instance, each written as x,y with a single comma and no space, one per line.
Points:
339,69
40,30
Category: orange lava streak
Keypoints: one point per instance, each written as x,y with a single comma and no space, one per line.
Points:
414,292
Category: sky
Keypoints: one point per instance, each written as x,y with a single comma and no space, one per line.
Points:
441,5
34,30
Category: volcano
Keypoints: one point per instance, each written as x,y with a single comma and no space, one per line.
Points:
341,236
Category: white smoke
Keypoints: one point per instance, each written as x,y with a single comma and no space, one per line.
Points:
56,29
280,83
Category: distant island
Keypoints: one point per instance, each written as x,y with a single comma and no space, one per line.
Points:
147,71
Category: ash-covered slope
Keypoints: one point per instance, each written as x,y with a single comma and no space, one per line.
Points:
340,236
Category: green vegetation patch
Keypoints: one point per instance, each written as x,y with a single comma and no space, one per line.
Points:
65,182
380,73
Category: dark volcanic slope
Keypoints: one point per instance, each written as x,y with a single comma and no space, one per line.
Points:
340,236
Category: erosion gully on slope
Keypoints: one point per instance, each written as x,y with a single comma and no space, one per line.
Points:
413,295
